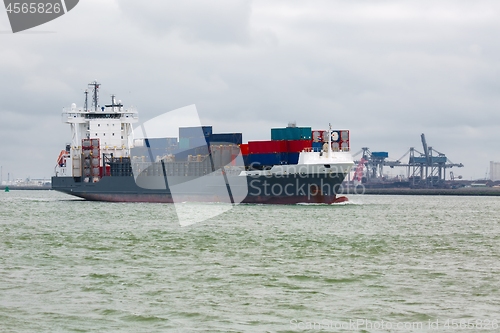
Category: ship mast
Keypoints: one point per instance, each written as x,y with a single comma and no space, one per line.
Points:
329,140
86,105
95,94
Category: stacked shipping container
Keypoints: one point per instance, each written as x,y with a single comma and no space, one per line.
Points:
287,143
319,137
155,147
225,138
291,133
340,140
283,148
91,153
202,141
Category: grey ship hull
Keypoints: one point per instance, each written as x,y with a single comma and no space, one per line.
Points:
293,189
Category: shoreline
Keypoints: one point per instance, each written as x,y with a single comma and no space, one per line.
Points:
465,191
25,187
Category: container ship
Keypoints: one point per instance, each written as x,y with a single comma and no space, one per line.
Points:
105,162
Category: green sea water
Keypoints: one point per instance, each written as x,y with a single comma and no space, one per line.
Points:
378,264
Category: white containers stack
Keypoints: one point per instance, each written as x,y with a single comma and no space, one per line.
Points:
340,139
91,152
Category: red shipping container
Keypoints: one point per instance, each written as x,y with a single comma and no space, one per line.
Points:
267,147
296,146
244,149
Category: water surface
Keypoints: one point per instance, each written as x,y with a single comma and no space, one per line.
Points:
68,265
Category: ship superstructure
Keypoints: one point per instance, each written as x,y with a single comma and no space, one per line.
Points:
96,131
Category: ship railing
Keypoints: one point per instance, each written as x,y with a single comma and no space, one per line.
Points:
71,115
74,113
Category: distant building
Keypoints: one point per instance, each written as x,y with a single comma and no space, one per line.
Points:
494,171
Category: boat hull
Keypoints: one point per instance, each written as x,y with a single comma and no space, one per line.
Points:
293,189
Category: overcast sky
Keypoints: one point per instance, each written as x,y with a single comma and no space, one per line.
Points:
386,70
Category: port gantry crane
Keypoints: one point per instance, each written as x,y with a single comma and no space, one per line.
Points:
427,169
374,163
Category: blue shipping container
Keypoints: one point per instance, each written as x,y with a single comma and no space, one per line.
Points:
197,142
184,143
158,143
225,138
293,158
155,143
195,132
171,142
380,154
317,146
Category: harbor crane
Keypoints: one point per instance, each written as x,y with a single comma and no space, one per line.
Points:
429,168
425,169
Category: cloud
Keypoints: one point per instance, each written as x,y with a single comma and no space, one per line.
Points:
387,70
225,21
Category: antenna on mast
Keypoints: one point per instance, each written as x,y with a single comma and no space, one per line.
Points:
329,139
86,105
95,94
